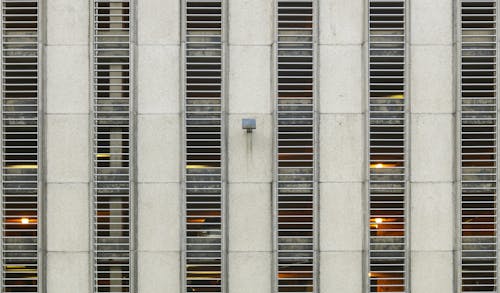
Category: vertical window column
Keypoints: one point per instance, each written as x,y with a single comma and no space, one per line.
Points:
387,190
295,191
112,123
204,141
478,146
21,146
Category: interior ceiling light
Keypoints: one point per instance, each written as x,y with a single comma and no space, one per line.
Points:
23,166
197,166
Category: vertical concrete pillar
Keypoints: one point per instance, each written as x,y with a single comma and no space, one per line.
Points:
67,144
250,155
342,150
432,151
159,145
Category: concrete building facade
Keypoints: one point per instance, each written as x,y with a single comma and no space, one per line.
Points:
163,223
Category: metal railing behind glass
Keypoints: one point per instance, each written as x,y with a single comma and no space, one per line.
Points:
21,146
112,124
478,146
387,190
295,190
204,142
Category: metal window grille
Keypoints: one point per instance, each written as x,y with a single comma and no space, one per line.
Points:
478,151
295,191
21,134
387,156
204,194
113,247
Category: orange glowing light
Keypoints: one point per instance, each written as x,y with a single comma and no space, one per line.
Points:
380,165
25,221
196,220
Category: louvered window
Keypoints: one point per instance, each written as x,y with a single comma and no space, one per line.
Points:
295,193
204,146
21,142
112,122
387,155
478,135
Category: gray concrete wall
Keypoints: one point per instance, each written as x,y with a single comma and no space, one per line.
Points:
250,159
432,148
341,143
159,146
67,141
342,149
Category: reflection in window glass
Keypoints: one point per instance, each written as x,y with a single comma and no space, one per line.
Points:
204,169
388,170
112,245
295,189
478,114
20,143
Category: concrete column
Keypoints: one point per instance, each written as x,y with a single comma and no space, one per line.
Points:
67,146
159,145
342,150
250,155
432,150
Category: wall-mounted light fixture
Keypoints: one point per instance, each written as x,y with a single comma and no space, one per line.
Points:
249,124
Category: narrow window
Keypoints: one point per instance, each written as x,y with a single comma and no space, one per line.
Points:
204,147
21,144
112,123
295,190
387,193
478,136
